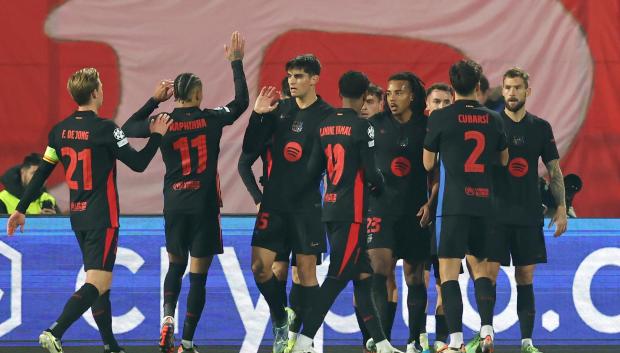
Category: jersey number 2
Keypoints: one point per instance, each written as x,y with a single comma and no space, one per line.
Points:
335,162
199,143
85,156
470,164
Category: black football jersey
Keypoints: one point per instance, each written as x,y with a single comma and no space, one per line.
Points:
398,155
292,129
88,147
190,150
517,196
468,138
346,152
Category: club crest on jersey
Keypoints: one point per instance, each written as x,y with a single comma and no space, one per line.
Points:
518,140
371,132
297,126
404,142
119,135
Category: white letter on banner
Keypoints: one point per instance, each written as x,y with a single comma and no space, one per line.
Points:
254,319
581,290
133,318
16,289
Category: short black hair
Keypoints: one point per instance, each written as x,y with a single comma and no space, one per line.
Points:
464,76
184,84
375,91
440,86
306,62
353,84
484,83
33,159
418,105
286,89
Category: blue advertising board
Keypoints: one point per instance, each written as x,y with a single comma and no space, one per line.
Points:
577,292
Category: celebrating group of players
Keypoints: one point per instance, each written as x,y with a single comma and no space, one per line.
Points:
395,179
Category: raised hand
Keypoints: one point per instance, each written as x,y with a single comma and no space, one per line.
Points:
267,100
236,50
160,124
163,90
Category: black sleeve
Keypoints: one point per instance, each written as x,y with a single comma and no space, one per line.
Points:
374,178
433,133
3,209
316,161
138,123
115,138
232,111
550,150
139,160
502,143
260,129
34,187
246,160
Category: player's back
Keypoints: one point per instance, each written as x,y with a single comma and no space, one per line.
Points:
342,136
83,144
468,138
190,152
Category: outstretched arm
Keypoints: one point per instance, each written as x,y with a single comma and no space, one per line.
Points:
138,125
139,160
234,53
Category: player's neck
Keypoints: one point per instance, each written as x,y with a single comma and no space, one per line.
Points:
468,97
516,116
307,100
183,104
404,116
87,107
349,104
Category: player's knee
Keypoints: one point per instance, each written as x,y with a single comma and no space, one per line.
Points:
261,274
524,276
280,270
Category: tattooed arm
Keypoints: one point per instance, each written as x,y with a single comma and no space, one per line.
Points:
556,184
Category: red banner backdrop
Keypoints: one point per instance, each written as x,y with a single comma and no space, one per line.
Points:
39,52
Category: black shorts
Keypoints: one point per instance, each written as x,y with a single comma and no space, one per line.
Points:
460,235
403,235
286,257
198,234
347,255
278,231
524,244
98,248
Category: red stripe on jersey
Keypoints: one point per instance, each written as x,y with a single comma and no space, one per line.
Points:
351,245
358,196
269,162
112,199
109,236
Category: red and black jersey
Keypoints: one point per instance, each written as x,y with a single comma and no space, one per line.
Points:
517,195
468,138
88,147
346,151
399,157
190,150
191,147
292,129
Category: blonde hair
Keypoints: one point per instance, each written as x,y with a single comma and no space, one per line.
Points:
82,83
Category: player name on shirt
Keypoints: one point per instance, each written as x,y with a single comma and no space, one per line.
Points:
188,125
75,135
473,119
336,130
